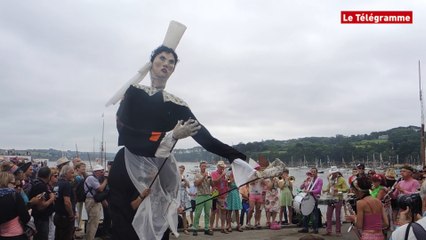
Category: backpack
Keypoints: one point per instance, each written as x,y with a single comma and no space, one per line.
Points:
418,230
80,194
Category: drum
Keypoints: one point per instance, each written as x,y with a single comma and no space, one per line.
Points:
304,203
327,201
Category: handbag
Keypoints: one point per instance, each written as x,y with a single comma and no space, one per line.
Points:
98,196
29,227
101,196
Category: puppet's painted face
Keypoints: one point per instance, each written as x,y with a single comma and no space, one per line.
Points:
162,67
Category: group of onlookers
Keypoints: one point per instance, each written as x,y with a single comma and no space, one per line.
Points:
374,200
223,203
43,204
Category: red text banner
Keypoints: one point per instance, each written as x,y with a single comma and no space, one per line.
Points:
376,17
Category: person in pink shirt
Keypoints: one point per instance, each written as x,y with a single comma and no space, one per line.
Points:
219,185
314,188
408,184
307,181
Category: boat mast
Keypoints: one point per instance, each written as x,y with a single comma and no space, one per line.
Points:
76,151
103,159
422,130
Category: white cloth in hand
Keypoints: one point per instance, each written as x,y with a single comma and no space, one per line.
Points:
166,146
243,172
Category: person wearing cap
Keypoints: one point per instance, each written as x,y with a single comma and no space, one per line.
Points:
378,189
371,173
335,188
353,176
149,122
93,208
361,169
408,184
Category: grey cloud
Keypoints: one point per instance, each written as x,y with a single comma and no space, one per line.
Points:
249,71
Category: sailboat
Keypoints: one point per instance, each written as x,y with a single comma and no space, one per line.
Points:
305,163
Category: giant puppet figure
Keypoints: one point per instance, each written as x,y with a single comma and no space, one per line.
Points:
149,122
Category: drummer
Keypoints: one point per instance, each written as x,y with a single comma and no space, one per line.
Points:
314,188
334,191
307,181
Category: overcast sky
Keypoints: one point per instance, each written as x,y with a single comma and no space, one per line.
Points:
250,70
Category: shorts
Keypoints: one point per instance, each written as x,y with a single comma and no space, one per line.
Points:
257,198
218,203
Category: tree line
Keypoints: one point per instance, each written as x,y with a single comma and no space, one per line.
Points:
397,145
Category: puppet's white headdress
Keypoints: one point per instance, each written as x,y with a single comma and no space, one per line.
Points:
171,40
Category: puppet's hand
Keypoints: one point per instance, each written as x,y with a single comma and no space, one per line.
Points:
186,129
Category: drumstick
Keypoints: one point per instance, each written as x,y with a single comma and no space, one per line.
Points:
222,193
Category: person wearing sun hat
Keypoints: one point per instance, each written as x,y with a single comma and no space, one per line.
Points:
220,185
62,162
93,208
335,188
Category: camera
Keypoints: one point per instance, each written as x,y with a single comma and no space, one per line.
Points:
413,201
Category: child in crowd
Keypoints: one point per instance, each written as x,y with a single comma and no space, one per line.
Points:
286,198
272,204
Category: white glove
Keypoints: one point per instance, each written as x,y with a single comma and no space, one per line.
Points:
186,129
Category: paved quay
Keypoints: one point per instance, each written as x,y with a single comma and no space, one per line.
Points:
286,233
